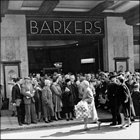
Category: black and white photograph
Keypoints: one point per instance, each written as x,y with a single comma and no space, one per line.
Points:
70,69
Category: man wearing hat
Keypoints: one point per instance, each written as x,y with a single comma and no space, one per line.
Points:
127,102
17,100
136,98
112,94
28,91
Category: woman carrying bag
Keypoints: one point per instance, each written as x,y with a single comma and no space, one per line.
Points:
87,106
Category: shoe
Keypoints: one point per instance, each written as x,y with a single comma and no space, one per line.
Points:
123,126
34,122
71,118
133,120
127,125
67,119
55,119
86,128
99,124
13,115
46,121
59,118
20,124
112,124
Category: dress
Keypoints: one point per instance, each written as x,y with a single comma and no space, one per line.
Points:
88,97
56,95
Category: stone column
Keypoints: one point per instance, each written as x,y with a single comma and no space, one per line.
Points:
118,43
14,41
13,44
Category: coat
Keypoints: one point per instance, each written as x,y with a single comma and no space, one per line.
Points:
56,94
47,102
89,98
16,94
68,97
28,99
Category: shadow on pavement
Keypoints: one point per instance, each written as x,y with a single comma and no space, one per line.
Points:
91,130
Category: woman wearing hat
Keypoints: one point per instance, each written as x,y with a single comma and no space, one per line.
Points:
68,100
47,101
56,94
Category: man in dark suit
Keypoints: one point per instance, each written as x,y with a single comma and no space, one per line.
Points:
112,94
17,100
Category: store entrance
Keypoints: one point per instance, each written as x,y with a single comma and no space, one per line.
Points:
73,56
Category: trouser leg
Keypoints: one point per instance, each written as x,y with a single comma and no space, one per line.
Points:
33,113
28,113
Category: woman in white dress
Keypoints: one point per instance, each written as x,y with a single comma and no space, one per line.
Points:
89,98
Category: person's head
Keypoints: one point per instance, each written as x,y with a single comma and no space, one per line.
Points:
67,76
60,79
85,84
92,76
55,78
27,80
82,78
121,79
72,78
68,81
47,82
35,81
18,80
113,78
136,86
88,77
38,75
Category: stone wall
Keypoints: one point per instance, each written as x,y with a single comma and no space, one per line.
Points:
118,43
14,43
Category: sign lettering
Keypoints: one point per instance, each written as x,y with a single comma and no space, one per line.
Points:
65,26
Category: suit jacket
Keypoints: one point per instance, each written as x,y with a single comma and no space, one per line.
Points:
16,94
27,97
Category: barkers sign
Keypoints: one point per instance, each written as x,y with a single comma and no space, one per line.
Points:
65,26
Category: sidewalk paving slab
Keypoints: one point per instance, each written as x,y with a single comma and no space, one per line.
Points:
9,123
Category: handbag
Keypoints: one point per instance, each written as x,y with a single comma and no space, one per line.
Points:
82,110
18,102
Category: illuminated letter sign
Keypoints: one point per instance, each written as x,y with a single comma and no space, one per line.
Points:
65,26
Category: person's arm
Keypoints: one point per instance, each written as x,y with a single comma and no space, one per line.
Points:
80,91
55,91
126,94
25,92
13,94
44,96
88,98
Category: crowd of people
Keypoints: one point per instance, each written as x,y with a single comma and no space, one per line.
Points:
53,97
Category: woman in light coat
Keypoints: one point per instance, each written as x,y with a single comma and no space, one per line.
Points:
47,102
89,98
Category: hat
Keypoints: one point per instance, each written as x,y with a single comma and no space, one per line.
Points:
67,80
67,76
16,79
136,86
28,78
120,77
112,76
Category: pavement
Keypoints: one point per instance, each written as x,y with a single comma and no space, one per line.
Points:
9,123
